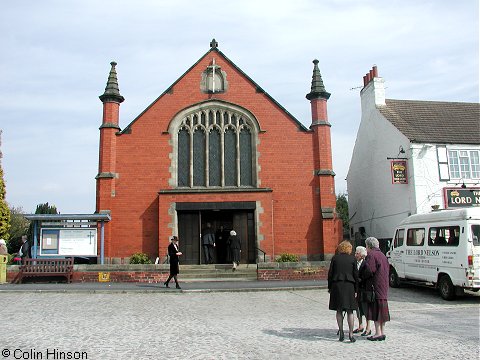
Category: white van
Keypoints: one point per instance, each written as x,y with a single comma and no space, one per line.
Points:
440,248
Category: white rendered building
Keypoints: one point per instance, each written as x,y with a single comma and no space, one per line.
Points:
410,157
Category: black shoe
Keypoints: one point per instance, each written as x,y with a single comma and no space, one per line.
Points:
366,333
352,339
166,284
342,336
178,286
377,338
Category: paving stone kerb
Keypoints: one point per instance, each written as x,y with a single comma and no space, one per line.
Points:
283,324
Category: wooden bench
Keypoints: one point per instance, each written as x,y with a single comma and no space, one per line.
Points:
44,268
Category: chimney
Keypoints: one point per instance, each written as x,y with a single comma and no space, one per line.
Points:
373,86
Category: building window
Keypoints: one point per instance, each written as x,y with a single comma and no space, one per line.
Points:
464,164
216,148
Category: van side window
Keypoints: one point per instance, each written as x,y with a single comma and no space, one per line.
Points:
399,238
415,237
444,236
476,235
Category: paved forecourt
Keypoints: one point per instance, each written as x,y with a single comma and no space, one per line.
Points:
284,324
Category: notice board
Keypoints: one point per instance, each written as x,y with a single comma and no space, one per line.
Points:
68,242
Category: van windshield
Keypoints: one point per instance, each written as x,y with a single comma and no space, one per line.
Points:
476,235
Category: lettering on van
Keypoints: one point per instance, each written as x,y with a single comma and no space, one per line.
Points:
462,197
422,252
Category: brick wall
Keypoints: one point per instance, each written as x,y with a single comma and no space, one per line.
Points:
159,273
141,220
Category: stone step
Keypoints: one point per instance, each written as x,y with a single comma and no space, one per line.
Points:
246,272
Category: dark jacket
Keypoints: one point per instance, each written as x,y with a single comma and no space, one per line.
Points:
343,267
234,242
343,283
208,237
174,261
377,264
365,277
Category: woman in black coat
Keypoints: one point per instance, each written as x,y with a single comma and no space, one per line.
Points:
343,286
235,246
173,253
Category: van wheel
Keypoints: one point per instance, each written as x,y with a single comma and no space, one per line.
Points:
393,278
446,288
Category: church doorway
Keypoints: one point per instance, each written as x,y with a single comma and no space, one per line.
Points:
191,224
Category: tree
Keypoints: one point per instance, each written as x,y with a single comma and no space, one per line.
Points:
342,211
18,226
4,210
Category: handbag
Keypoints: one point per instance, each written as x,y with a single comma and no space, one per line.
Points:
368,296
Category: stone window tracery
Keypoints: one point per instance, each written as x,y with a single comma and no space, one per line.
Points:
215,148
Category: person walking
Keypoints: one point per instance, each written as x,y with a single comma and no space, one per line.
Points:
173,253
377,264
208,242
364,291
235,248
342,286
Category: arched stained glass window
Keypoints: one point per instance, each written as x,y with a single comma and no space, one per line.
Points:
199,157
216,148
183,157
230,151
245,157
214,158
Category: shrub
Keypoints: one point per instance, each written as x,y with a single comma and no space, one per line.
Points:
140,258
285,257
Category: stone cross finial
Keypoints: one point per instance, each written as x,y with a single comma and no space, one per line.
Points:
213,44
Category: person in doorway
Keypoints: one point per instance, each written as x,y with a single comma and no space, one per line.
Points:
208,242
342,286
235,246
377,264
221,237
364,287
173,253
3,247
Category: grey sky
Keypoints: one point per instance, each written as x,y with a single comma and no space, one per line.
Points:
55,56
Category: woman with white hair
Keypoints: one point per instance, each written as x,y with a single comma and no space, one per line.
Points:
364,290
235,248
3,247
377,264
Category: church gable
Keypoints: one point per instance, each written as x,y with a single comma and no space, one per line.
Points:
213,76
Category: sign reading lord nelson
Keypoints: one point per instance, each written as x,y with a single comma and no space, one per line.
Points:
68,242
399,171
455,198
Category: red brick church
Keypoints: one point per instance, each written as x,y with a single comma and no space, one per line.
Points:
216,148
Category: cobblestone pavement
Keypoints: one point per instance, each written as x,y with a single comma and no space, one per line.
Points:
286,324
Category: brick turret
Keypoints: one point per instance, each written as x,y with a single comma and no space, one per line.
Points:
111,100
324,185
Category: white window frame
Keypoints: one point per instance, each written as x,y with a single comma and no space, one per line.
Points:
464,163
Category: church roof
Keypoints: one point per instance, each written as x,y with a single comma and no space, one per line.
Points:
435,121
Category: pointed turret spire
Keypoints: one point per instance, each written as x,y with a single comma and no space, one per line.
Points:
112,93
318,89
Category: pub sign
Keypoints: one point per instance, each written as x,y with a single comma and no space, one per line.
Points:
455,198
399,171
